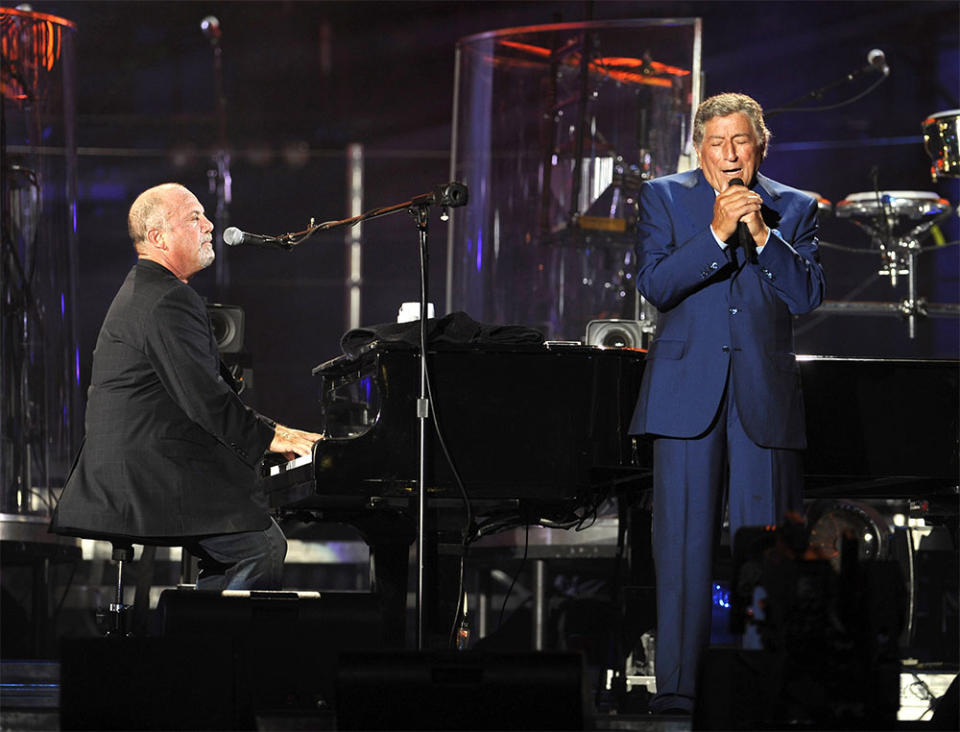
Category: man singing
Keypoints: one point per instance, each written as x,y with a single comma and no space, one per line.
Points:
170,450
728,257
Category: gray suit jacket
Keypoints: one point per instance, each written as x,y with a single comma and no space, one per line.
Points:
169,448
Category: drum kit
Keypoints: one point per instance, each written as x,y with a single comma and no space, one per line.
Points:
898,221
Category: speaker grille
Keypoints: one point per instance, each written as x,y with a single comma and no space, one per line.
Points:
227,322
615,333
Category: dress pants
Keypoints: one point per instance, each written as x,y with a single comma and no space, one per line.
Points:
246,560
691,479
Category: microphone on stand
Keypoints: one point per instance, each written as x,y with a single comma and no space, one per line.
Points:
211,29
743,233
233,237
448,195
877,60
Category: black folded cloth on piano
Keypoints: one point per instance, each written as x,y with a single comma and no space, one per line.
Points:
457,327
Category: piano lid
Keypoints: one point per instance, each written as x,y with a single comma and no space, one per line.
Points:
521,421
881,427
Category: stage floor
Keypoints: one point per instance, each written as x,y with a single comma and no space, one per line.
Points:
30,700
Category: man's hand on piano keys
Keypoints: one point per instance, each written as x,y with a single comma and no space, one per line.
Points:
291,443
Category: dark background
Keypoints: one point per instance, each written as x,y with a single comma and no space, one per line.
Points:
304,79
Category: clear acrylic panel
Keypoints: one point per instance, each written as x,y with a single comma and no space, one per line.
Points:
39,379
555,127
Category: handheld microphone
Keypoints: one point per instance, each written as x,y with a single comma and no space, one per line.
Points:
743,233
233,237
877,60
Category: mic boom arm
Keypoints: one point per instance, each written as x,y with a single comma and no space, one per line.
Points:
447,195
876,61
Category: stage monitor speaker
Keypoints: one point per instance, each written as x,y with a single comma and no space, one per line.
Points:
150,684
615,333
289,641
765,690
228,323
739,690
463,690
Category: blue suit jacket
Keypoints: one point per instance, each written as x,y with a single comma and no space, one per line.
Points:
719,313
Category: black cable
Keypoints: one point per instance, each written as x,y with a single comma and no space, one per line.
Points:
523,561
848,250
466,532
617,586
846,298
860,250
461,599
66,590
844,103
936,247
467,528
421,214
40,497
925,693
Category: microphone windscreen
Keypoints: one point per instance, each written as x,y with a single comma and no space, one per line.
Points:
210,26
232,236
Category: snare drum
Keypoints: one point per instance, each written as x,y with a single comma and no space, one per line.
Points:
908,204
941,133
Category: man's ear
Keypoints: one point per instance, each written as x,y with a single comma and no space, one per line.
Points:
155,239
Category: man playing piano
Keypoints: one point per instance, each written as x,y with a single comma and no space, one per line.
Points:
170,451
728,257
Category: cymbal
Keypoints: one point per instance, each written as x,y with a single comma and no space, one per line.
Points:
619,68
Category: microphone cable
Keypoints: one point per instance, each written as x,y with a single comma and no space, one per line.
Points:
829,107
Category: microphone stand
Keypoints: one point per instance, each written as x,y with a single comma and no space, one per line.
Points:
818,93
421,216
219,177
446,196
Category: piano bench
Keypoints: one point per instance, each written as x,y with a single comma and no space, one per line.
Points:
122,551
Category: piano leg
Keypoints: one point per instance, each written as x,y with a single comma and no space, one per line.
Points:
389,537
442,555
389,563
389,534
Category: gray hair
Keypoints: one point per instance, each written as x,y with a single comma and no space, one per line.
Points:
723,105
149,211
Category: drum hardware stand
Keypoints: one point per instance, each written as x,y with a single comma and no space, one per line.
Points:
21,333
449,195
899,258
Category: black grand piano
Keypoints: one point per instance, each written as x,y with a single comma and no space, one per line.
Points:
532,423
881,428
539,435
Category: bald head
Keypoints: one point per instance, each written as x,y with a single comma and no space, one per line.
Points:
150,211
167,226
